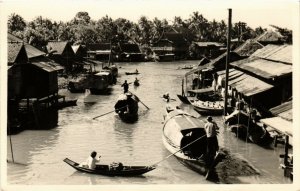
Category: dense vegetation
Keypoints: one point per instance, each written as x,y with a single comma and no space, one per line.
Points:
83,30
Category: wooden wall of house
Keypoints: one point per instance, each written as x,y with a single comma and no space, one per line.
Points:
30,81
15,82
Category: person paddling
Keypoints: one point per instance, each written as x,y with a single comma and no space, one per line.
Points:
91,161
125,85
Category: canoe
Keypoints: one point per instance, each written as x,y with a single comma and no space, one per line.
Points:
106,170
208,108
179,130
132,73
127,108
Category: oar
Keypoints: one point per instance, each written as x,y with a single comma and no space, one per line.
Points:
139,100
172,99
109,112
178,150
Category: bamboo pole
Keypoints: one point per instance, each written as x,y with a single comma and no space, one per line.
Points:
227,61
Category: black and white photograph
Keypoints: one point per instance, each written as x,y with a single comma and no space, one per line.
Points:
149,94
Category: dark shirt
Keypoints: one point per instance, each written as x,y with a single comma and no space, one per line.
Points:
125,85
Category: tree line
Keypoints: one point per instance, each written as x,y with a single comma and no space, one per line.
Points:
83,30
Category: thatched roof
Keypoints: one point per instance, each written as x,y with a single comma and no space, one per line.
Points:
269,36
30,50
57,46
15,51
248,48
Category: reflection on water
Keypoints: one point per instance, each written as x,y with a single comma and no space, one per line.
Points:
139,143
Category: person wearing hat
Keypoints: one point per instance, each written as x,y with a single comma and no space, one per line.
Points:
211,130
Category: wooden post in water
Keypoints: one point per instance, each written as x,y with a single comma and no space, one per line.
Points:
286,150
227,61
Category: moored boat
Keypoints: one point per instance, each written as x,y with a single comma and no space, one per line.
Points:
184,135
245,128
99,82
208,108
109,170
132,73
127,107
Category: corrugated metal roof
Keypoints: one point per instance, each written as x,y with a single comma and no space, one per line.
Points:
265,68
284,110
279,124
245,83
279,53
47,66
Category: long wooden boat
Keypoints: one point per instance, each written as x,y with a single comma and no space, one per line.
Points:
97,83
208,108
132,73
127,107
106,170
179,130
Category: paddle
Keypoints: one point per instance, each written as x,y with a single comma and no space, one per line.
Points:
139,100
171,99
109,112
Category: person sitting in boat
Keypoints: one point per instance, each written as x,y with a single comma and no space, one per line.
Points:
166,96
136,82
91,161
211,130
125,85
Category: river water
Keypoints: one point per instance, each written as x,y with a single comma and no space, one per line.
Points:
39,153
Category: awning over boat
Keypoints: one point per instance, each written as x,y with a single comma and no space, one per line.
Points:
246,84
203,90
279,124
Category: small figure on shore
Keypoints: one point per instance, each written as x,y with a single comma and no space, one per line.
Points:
136,71
125,85
211,130
91,161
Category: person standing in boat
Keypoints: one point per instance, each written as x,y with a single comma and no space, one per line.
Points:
211,130
125,85
91,161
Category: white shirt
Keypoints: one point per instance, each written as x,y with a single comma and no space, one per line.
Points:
91,162
211,129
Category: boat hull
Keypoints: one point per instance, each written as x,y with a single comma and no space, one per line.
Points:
108,171
197,165
204,108
183,99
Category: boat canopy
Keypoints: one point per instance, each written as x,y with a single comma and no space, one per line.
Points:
102,73
179,123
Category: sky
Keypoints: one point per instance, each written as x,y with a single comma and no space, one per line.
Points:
255,13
